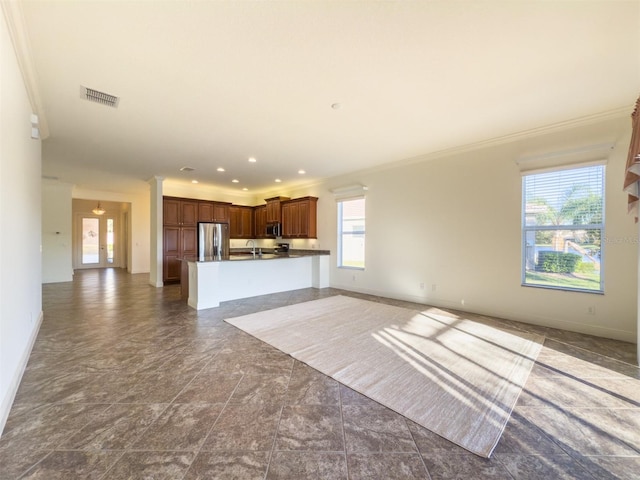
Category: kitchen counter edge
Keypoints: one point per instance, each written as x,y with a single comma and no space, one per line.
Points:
270,255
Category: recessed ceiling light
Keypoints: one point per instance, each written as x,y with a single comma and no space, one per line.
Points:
235,180
187,169
194,181
220,169
252,160
301,172
278,180
335,106
245,189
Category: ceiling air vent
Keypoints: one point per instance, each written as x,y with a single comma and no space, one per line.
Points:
99,97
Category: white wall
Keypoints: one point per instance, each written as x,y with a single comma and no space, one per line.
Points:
56,232
454,222
203,192
20,240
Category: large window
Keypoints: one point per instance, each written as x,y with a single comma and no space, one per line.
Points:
351,232
562,229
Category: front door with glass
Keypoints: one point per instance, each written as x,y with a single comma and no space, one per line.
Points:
96,246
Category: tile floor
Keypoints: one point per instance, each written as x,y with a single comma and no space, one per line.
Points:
125,381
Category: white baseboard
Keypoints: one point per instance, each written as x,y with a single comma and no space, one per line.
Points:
7,401
542,321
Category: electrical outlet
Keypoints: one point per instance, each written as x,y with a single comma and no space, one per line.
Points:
421,285
591,310
462,302
434,287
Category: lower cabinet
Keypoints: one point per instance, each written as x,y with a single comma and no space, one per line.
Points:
178,242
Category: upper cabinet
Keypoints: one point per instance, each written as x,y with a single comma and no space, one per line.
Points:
260,221
241,222
181,216
221,212
299,218
180,212
213,212
274,214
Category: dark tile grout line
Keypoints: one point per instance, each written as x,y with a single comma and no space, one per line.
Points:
275,433
213,425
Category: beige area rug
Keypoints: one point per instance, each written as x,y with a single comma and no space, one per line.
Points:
456,377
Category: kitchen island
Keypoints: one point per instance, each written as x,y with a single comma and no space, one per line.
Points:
214,280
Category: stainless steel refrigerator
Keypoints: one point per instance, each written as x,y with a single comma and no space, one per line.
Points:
213,241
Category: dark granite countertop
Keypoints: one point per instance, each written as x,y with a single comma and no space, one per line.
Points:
243,254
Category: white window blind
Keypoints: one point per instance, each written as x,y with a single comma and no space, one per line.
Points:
565,197
563,228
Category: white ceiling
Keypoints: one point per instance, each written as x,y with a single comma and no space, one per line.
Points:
209,84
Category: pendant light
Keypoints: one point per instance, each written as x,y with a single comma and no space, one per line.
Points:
98,210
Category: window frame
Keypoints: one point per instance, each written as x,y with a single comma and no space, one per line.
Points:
341,234
524,228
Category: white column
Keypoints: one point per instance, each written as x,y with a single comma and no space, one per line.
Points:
155,241
320,271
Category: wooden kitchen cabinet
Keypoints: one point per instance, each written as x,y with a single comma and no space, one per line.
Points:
241,221
189,241
260,221
290,220
170,211
299,218
274,214
181,217
178,242
221,212
213,212
171,253
235,221
179,211
180,234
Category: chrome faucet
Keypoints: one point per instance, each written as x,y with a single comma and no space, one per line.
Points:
253,246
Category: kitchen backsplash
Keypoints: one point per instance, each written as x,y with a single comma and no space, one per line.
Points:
294,243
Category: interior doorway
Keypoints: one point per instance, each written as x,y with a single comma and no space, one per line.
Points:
100,241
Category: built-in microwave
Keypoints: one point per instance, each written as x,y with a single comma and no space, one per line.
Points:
273,230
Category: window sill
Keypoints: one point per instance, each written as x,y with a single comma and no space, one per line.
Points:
563,289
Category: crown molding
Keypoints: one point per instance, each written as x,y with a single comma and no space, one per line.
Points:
18,32
587,120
